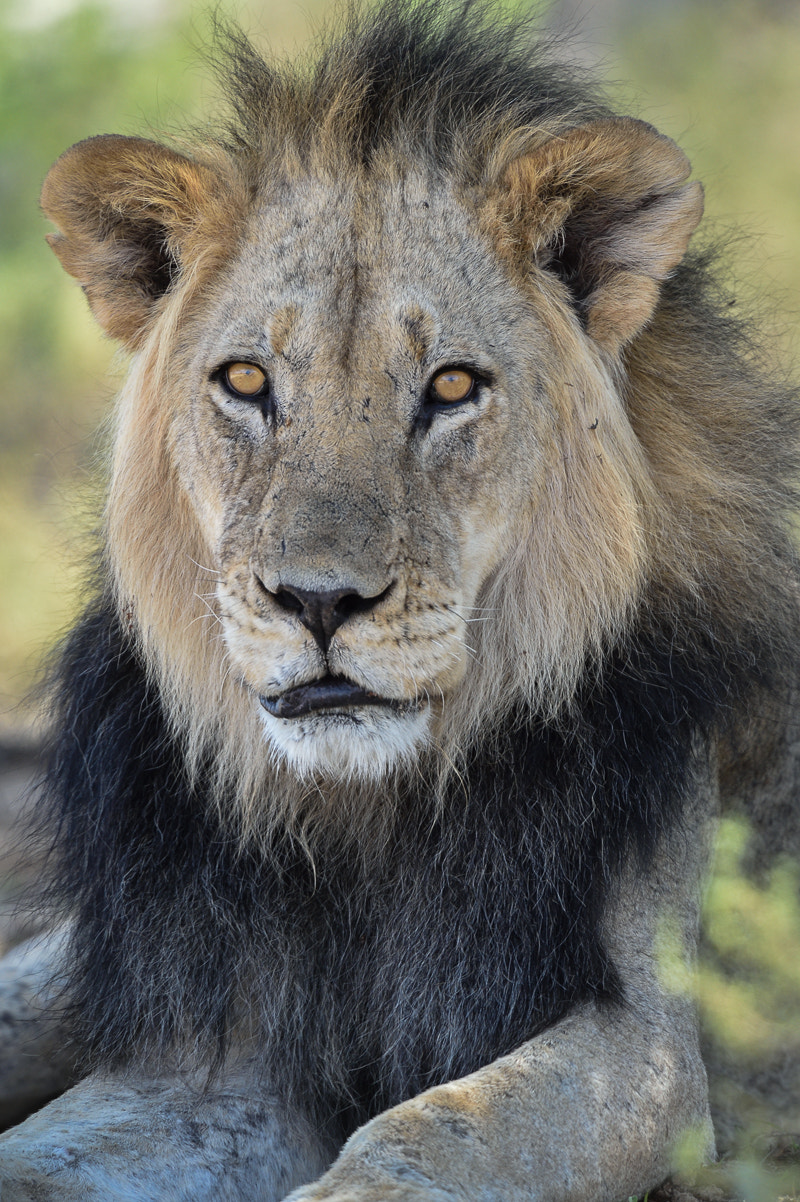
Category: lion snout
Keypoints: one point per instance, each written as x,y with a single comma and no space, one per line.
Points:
323,612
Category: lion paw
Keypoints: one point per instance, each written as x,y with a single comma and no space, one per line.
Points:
370,1191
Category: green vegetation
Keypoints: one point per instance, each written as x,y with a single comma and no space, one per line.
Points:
748,990
81,76
754,927
722,79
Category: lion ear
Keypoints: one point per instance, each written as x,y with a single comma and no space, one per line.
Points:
607,207
131,214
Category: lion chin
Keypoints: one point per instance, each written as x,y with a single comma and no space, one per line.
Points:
359,743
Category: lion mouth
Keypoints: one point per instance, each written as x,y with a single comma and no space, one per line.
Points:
328,693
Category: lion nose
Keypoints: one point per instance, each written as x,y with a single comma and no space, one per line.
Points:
324,613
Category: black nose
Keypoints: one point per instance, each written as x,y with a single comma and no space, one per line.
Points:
324,613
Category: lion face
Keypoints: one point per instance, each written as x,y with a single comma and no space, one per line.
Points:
374,480
394,448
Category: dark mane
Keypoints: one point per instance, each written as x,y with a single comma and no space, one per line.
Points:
181,934
435,83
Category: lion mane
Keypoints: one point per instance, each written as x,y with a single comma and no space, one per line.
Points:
381,929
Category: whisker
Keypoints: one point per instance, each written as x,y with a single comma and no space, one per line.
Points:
224,679
476,609
469,649
202,618
211,611
203,568
451,609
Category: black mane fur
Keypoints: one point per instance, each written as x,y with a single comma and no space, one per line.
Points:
439,82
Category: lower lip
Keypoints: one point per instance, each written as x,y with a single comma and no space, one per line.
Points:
332,693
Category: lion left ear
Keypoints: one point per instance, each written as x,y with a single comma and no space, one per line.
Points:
607,207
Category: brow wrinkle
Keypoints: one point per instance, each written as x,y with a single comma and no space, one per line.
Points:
419,327
282,327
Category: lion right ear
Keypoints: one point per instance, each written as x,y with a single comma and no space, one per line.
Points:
131,215
607,208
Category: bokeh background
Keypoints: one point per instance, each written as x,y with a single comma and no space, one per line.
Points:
722,77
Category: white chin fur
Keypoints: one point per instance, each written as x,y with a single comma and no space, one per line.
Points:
365,742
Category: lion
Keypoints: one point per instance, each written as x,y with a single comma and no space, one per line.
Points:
447,565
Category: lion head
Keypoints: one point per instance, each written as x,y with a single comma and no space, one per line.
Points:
415,423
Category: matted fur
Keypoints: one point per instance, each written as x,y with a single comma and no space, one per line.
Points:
638,600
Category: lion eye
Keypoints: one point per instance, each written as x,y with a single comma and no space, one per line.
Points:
452,386
244,379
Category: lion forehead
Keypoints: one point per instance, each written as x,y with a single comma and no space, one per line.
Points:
364,268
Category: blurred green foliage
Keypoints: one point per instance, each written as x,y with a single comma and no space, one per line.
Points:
748,991
722,77
81,75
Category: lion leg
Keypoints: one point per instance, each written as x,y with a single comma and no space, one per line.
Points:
136,1139
602,1106
35,1061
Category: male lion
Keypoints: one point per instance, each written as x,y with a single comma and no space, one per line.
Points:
447,537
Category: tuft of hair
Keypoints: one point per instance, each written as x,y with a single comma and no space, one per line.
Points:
462,88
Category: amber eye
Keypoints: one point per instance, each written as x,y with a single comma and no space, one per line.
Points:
244,379
452,386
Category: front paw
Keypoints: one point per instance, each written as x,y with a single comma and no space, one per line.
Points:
365,1184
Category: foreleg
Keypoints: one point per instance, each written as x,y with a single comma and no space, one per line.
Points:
136,1139
598,1108
36,1063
